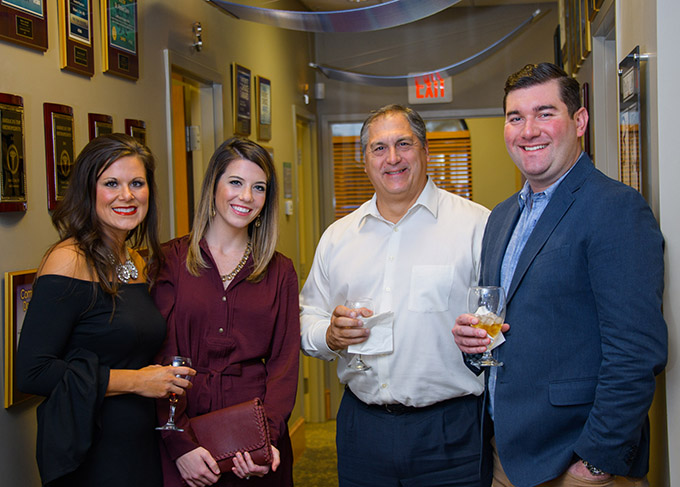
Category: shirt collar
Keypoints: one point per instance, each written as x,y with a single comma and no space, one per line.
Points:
428,199
526,193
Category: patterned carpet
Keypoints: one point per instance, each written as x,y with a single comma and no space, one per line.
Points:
317,467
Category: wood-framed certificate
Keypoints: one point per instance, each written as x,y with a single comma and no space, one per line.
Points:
264,108
76,46
13,170
242,101
136,129
120,53
59,150
99,124
24,22
18,293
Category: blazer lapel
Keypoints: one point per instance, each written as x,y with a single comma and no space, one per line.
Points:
559,204
496,243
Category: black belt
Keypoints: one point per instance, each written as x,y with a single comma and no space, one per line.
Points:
398,408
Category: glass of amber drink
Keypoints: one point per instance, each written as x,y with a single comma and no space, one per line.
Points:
487,303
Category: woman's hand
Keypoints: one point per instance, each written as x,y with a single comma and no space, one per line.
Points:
198,468
153,381
244,467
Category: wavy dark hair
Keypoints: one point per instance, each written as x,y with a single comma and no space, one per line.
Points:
76,216
262,238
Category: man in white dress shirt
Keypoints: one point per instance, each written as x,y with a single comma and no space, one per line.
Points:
412,418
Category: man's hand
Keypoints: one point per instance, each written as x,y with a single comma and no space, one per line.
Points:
471,340
579,470
347,328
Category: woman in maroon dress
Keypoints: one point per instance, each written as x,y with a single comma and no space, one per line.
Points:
231,304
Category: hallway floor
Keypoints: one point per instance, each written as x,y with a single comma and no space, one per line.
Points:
317,467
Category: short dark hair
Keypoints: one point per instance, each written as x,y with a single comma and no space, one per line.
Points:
537,74
76,215
414,120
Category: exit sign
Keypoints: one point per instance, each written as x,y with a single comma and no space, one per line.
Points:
430,88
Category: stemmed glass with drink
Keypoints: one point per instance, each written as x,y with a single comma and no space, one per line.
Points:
175,361
356,304
487,304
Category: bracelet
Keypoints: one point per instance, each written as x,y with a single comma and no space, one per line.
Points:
592,468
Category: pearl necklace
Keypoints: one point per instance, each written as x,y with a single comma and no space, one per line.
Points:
125,271
239,266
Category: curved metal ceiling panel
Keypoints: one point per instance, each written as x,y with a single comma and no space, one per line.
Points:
374,17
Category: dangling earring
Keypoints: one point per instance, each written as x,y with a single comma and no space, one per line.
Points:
212,213
258,222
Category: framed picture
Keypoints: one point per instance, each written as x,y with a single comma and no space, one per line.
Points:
264,108
136,129
13,196
573,37
584,29
242,105
585,102
99,124
120,55
24,22
557,47
59,150
76,50
592,9
18,293
630,150
598,4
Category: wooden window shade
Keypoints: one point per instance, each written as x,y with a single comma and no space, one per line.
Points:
450,168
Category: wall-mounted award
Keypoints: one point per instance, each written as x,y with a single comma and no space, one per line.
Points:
264,108
59,153
24,22
120,54
99,124
75,36
13,170
241,89
136,129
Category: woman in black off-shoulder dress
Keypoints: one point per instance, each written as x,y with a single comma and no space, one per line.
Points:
91,330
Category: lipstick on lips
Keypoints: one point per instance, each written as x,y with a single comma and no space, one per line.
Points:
125,210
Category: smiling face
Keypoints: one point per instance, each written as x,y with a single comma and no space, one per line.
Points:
240,194
541,138
395,161
122,197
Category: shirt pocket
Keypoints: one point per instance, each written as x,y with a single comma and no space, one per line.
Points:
430,288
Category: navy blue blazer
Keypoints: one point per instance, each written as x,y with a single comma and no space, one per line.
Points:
587,336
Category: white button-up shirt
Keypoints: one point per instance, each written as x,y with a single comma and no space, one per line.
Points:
420,268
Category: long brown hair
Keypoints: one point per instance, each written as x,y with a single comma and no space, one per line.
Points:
262,238
76,216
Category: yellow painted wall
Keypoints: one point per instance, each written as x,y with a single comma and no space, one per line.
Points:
494,176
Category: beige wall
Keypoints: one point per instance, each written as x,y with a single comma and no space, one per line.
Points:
495,176
267,51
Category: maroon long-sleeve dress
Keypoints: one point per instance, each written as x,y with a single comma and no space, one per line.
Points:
243,341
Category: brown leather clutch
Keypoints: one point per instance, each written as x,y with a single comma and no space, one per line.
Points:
239,428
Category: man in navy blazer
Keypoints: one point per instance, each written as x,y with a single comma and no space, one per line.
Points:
580,256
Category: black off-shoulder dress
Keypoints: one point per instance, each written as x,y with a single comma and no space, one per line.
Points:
73,334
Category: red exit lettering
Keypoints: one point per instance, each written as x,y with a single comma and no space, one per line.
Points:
430,86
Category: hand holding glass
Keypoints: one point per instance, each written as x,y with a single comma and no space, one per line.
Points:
356,304
487,303
175,361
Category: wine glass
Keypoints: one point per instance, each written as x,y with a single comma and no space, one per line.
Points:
175,361
487,303
356,304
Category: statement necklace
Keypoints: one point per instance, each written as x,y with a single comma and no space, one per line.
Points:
125,271
239,266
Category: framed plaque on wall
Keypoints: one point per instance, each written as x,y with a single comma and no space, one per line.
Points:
24,22
136,129
120,54
13,195
630,150
18,293
99,124
242,101
75,36
59,150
